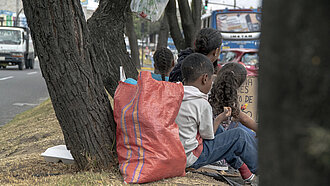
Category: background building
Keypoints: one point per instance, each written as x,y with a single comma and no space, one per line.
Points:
10,8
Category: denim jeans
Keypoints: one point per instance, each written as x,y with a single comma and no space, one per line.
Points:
235,146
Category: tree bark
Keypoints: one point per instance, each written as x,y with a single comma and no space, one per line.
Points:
67,60
107,32
187,22
294,133
196,16
130,32
163,33
175,31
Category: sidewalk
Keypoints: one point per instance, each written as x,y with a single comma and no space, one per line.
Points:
147,66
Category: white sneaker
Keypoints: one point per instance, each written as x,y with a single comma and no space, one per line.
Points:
253,180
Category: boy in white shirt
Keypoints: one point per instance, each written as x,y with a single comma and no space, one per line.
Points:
203,139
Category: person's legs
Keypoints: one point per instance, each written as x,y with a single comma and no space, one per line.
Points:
234,146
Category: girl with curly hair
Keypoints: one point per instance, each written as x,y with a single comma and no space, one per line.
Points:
224,93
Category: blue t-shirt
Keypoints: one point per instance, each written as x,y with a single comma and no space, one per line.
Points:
157,77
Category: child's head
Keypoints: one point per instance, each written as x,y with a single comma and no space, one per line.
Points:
164,62
208,41
224,90
197,70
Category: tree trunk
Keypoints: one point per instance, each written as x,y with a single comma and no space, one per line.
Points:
130,32
107,32
163,33
196,16
190,21
294,93
187,22
175,31
67,60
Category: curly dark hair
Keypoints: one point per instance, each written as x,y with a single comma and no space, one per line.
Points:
207,39
224,91
163,58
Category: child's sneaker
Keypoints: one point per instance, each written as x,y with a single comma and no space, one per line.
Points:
253,180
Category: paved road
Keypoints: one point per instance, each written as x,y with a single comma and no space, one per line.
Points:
20,90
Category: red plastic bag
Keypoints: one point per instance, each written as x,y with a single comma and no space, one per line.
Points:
148,143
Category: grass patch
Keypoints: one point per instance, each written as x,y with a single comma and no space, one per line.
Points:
30,133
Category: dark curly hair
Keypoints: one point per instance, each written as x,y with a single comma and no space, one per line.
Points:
163,58
224,90
207,39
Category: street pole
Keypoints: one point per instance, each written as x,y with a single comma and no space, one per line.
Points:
142,39
234,4
17,10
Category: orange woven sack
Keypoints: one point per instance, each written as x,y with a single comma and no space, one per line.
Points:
148,143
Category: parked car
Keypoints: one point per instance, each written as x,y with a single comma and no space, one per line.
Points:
249,58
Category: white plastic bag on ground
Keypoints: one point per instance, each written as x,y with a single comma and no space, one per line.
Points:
58,153
149,9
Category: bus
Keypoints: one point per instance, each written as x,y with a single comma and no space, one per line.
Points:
240,28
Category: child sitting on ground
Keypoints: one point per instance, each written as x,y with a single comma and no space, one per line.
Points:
164,63
224,94
203,139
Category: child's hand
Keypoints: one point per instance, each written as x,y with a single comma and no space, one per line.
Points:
227,111
221,117
224,115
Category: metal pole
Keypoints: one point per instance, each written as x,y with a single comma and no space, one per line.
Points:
234,4
142,39
17,10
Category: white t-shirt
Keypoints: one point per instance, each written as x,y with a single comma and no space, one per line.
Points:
195,122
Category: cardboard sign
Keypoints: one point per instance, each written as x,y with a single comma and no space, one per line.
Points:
248,97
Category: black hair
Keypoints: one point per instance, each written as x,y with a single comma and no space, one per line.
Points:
207,39
163,58
224,91
195,65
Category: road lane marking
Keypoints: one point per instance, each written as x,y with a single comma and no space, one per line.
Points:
5,78
25,104
30,73
43,99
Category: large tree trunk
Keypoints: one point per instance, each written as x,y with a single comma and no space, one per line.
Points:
107,32
294,93
196,16
67,60
175,31
187,22
163,33
190,21
130,32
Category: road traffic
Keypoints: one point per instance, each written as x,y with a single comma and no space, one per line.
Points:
20,91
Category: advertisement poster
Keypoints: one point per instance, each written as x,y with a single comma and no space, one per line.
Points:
239,22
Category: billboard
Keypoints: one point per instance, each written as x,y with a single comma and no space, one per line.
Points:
238,22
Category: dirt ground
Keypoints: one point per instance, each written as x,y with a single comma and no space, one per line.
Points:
32,132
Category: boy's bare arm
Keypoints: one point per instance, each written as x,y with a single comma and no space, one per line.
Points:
247,121
221,117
